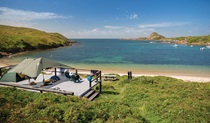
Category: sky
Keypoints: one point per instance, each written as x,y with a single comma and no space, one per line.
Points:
109,18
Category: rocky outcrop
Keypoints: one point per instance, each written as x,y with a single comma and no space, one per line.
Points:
155,36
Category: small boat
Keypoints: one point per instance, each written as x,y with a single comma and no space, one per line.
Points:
208,47
191,45
202,48
175,45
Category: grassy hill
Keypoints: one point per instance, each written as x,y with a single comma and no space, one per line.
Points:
143,100
18,39
196,40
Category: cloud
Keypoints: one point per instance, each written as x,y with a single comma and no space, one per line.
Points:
17,17
113,27
113,31
163,25
133,16
109,31
21,15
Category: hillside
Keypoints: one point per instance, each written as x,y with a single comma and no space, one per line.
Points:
152,36
141,100
155,36
19,39
192,40
195,40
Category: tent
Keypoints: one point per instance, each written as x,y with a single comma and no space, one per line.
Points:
33,67
12,77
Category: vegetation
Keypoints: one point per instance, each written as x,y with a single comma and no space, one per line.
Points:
199,40
18,39
143,99
194,40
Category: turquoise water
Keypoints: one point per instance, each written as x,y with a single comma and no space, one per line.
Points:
121,55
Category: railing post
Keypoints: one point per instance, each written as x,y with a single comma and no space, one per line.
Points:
100,83
76,71
90,83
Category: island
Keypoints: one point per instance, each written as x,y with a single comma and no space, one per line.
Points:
19,39
190,40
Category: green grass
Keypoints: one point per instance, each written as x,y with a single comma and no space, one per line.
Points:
18,39
143,99
197,40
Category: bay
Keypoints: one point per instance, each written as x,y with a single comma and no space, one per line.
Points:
123,55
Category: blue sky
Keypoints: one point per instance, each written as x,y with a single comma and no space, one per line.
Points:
109,18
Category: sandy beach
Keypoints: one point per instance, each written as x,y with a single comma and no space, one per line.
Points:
5,62
187,78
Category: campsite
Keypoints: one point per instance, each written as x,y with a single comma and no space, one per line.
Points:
44,75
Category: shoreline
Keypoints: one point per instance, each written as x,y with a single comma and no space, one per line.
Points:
187,77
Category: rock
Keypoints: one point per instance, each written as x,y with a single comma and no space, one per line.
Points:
155,36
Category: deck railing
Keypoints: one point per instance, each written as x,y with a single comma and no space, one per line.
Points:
97,79
96,74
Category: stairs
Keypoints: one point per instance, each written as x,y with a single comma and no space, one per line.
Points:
90,94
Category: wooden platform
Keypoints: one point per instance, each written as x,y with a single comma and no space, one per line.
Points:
63,86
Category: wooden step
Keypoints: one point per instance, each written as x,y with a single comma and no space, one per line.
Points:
88,94
93,96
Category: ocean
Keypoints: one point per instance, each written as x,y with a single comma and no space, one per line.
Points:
141,57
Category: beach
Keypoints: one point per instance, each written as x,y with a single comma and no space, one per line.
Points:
187,77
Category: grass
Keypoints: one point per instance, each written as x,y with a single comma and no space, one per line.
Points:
143,99
18,39
197,40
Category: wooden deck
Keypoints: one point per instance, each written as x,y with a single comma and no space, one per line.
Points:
63,85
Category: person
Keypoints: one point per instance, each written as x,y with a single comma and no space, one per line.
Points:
77,76
67,73
71,73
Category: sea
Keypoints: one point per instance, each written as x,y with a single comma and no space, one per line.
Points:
121,56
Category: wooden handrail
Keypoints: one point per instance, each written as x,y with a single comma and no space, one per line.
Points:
98,79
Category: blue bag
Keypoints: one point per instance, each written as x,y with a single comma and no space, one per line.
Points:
89,78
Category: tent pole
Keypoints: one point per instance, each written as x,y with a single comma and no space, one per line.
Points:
0,73
55,72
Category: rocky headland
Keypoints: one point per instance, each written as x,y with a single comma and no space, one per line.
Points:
190,40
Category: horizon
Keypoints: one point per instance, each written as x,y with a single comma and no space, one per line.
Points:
92,19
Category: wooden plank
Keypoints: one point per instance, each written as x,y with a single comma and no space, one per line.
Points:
37,89
110,77
93,96
89,93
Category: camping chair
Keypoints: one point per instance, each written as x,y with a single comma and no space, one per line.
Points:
71,78
74,79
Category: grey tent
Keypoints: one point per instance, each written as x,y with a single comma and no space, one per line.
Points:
33,67
11,77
